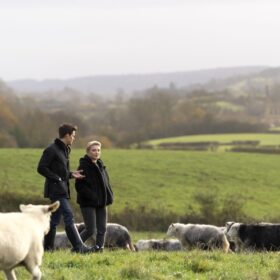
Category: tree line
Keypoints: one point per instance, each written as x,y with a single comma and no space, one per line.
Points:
32,121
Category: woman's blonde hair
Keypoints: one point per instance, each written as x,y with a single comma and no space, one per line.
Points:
92,143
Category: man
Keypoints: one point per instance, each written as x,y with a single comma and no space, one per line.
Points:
54,166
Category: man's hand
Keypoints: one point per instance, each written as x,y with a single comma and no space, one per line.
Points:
77,174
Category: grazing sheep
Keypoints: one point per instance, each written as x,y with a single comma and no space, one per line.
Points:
259,236
117,236
158,244
21,238
61,241
201,236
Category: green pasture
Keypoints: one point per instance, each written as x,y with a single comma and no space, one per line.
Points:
191,265
229,106
165,181
155,179
276,128
266,139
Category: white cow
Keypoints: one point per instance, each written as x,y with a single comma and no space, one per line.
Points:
21,238
202,236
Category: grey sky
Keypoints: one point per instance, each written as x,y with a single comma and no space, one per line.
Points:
64,39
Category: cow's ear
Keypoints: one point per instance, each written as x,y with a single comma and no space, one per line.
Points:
22,207
54,206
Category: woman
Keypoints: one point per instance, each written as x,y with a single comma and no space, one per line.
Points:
94,193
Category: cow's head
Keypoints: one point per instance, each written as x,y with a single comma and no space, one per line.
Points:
41,212
31,208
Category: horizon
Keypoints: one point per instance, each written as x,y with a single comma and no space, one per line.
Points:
139,74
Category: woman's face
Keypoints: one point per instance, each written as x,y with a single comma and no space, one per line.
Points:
94,152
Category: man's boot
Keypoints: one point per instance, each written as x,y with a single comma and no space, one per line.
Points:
49,240
77,244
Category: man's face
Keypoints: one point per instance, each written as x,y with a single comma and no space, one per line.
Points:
69,138
94,152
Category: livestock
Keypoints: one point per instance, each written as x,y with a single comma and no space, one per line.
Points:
201,236
258,236
158,244
62,242
21,238
231,244
117,236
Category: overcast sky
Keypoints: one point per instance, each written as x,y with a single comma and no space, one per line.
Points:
67,38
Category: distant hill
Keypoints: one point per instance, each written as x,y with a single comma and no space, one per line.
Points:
258,83
111,84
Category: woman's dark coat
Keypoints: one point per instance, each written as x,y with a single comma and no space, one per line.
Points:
94,190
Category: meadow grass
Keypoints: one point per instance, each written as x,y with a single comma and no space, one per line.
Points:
63,265
265,139
167,181
163,180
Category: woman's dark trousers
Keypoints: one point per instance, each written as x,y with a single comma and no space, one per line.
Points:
95,220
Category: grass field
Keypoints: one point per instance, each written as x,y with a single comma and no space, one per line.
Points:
164,180
266,139
167,181
63,265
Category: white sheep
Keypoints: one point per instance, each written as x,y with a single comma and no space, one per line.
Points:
201,236
158,244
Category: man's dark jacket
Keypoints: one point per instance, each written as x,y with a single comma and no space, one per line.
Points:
94,190
54,166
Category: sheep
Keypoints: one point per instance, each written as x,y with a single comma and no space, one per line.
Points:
117,236
158,244
201,236
258,236
21,238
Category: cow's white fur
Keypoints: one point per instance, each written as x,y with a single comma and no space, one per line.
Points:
196,235
21,238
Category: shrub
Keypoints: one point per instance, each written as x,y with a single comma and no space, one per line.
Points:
210,212
10,201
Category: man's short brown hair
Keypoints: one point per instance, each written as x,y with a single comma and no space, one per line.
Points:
66,128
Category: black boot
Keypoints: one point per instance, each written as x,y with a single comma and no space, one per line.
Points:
97,249
49,240
76,241
99,245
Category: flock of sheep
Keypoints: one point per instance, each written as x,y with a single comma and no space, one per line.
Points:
22,234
